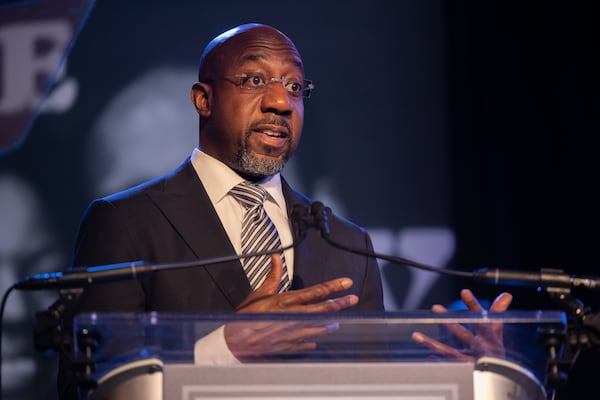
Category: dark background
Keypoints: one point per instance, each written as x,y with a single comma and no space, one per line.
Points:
477,118
525,112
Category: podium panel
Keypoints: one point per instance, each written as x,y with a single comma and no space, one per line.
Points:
368,356
318,381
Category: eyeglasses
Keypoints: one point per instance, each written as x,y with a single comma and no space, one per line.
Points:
258,83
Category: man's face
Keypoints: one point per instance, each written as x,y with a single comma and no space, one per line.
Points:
253,132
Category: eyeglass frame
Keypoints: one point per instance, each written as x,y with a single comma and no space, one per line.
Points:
238,80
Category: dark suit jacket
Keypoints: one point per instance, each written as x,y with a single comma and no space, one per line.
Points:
171,219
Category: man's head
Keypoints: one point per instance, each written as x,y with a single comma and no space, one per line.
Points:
250,99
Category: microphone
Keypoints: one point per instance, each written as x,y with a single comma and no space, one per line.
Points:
321,215
82,277
544,277
316,215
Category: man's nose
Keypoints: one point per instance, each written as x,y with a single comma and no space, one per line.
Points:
276,99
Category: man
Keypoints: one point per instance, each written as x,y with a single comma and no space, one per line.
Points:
249,98
245,135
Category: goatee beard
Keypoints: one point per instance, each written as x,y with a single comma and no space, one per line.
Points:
255,168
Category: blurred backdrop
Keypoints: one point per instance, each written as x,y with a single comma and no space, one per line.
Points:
460,134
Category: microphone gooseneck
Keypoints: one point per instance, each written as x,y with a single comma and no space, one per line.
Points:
317,216
82,277
545,277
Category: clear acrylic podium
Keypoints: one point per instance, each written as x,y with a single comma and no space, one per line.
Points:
366,356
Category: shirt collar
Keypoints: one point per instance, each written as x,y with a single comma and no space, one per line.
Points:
218,179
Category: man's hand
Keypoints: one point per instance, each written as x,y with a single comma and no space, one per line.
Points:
252,340
486,338
266,299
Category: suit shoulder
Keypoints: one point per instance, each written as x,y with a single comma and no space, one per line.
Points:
347,223
162,183
134,191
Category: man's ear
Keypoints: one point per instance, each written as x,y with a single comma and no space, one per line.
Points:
201,96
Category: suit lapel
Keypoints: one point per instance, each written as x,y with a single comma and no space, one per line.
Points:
185,203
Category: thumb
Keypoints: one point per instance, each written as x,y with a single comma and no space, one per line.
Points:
271,282
269,285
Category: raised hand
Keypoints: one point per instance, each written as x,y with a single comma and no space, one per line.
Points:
266,299
486,339
256,340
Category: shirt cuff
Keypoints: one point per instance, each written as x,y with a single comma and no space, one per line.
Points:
212,349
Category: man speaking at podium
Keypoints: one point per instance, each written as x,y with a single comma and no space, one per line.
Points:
229,198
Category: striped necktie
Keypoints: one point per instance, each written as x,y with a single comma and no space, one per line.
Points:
258,234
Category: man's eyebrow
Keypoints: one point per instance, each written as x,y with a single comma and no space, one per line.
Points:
251,57
259,57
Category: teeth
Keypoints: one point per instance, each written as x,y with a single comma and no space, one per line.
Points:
273,134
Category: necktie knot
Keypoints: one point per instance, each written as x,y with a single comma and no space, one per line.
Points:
249,195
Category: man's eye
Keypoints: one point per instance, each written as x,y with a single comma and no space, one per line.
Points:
294,87
253,81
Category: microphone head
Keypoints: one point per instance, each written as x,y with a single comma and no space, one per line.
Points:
314,216
320,215
301,220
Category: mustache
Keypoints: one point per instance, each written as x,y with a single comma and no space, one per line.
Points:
272,121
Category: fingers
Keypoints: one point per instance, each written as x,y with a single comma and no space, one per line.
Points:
438,308
470,301
317,292
461,333
307,300
303,332
492,331
501,303
255,340
485,339
439,347
331,305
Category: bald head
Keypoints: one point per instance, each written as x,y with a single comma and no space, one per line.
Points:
219,51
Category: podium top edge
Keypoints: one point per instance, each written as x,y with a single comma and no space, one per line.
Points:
414,317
